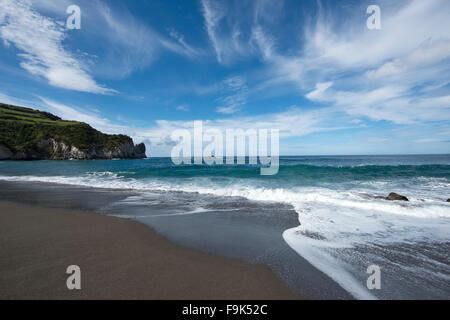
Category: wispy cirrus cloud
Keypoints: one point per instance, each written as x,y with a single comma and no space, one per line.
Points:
134,44
229,25
37,30
181,46
319,91
225,25
7,99
237,95
78,114
183,107
213,13
40,42
396,74
427,54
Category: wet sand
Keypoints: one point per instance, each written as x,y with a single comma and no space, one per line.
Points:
119,259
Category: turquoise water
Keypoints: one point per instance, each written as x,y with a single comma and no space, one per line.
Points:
295,170
343,225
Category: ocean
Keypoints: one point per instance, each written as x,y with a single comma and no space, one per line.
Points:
325,210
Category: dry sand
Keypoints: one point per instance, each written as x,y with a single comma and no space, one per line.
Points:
119,259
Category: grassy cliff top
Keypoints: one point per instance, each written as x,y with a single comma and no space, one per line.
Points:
21,128
8,112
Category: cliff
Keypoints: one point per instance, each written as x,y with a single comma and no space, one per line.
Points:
27,134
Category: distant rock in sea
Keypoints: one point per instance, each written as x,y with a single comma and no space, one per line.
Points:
27,134
394,196
448,200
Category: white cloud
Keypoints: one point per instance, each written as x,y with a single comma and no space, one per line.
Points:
71,113
379,75
133,43
263,42
225,25
428,53
233,108
181,47
6,99
427,140
397,74
321,87
213,14
237,95
295,122
183,107
232,25
40,41
405,26
390,103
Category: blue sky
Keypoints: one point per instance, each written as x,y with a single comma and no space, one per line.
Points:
309,68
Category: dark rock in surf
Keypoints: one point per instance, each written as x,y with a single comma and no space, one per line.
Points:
394,196
448,200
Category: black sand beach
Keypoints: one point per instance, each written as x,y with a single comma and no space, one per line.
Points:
119,259
45,227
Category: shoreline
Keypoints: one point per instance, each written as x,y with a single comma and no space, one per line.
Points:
119,259
253,236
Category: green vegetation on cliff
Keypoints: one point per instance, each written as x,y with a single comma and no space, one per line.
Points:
21,129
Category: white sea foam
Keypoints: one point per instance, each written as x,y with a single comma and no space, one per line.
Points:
196,211
307,248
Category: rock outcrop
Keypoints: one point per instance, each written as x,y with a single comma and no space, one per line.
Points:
50,149
53,150
448,200
5,153
394,196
